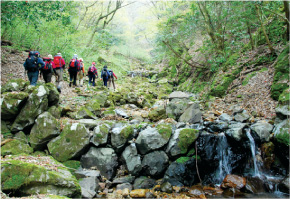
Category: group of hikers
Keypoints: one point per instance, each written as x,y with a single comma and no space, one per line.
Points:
47,66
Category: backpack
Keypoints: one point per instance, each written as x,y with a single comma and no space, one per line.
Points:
57,61
73,63
91,70
82,66
111,74
31,61
47,67
105,73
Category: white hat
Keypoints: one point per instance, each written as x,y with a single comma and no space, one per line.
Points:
75,56
58,54
50,56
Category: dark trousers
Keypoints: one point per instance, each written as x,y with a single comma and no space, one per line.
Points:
73,77
92,78
47,77
105,81
33,77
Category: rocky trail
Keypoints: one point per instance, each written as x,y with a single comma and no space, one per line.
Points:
143,140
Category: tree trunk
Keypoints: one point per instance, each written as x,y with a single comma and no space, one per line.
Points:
250,34
286,8
264,31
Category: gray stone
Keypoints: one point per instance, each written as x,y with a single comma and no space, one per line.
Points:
36,104
263,130
21,136
100,135
53,94
191,115
235,131
120,136
149,140
103,159
123,186
283,111
121,113
46,128
132,159
176,107
155,163
178,94
144,183
242,117
166,187
135,121
89,123
72,142
225,117
124,179
55,111
284,185
89,187
180,125
83,173
14,85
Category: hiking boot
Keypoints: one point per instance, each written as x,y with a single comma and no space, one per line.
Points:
59,90
70,84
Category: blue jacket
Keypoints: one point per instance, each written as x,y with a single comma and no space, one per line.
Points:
40,63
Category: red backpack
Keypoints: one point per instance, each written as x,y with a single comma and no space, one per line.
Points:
57,61
73,63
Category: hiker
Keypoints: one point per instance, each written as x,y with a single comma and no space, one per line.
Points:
32,65
73,69
59,66
111,78
81,73
47,70
92,73
105,75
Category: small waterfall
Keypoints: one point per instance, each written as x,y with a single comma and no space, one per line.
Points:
253,150
224,155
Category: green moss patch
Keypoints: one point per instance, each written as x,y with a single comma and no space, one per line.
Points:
127,132
164,130
15,147
186,138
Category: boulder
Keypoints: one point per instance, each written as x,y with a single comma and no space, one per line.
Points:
166,187
284,185
71,143
155,163
181,140
83,173
104,159
216,126
94,106
32,176
191,115
89,186
132,159
120,136
89,123
121,113
157,114
46,128
225,117
100,135
55,111
255,185
144,182
179,95
15,147
138,193
176,107
242,116
153,138
123,186
11,104
53,94
36,104
235,131
14,85
263,130
21,137
283,111
124,179
234,181
84,113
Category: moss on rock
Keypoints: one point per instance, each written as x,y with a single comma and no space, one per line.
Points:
15,147
72,165
186,138
164,130
284,98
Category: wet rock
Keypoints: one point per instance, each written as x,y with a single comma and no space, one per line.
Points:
151,139
217,126
242,117
12,103
155,163
138,193
132,159
176,107
234,181
72,142
46,128
254,185
178,94
120,136
191,115
100,135
166,187
263,130
36,104
103,159
89,187
235,131
144,183
284,185
181,140
225,117
268,155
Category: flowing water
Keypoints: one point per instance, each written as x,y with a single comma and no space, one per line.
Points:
253,150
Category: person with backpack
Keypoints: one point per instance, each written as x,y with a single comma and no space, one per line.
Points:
105,75
81,73
111,78
73,69
92,73
59,66
47,70
32,65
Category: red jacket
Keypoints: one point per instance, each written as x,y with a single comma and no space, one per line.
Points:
58,62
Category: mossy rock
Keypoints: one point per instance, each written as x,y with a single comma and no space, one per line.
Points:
121,137
222,87
71,143
183,160
15,147
84,113
231,61
28,178
277,89
12,102
21,136
14,85
94,106
157,114
53,95
186,138
281,134
284,98
100,134
72,165
55,111
165,130
4,128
